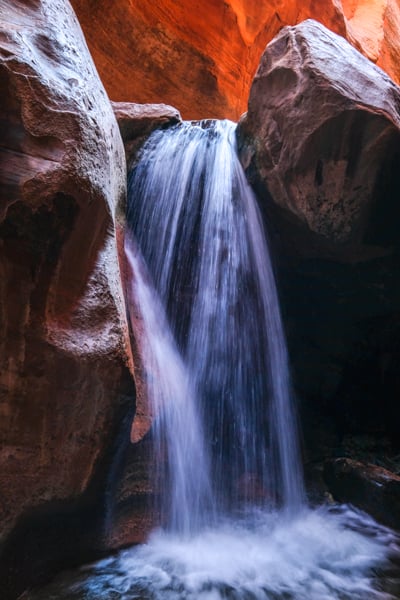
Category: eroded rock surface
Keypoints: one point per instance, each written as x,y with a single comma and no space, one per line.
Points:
65,377
324,130
202,57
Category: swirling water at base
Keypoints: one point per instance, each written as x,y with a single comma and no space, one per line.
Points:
322,554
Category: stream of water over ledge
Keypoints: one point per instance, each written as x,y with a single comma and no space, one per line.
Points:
214,343
234,520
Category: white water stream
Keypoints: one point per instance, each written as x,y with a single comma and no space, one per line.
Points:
196,223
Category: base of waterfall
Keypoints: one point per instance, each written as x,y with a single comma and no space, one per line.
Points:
330,553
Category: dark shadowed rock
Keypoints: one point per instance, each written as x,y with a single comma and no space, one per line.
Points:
369,487
65,365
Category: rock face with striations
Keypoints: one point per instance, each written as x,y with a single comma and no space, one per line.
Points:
65,362
201,57
65,365
321,144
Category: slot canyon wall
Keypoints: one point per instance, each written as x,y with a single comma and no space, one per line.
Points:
201,56
65,365
69,384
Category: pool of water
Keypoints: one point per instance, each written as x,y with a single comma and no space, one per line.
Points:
324,554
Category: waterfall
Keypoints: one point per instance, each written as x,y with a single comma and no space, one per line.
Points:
214,347
235,525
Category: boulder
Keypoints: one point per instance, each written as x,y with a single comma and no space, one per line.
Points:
368,487
322,134
202,58
65,362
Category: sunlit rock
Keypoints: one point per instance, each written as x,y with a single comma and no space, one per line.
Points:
372,26
202,57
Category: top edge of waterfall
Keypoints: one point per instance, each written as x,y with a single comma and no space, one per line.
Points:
210,123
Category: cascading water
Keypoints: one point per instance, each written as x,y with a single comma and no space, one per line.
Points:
195,220
236,525
186,493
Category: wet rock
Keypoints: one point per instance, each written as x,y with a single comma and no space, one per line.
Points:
65,364
321,145
369,487
136,122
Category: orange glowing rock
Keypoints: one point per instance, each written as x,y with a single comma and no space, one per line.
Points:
201,56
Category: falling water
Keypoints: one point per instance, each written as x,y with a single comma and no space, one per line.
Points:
236,525
187,498
196,223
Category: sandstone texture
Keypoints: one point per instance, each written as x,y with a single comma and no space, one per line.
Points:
201,57
329,183
324,130
369,487
136,122
65,363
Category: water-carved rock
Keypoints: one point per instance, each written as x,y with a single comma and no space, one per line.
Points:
202,58
137,121
65,374
321,142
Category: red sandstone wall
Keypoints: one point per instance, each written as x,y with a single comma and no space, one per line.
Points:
201,56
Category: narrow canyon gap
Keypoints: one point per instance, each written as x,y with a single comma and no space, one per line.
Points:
230,509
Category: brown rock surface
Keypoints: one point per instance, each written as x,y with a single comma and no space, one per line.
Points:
373,27
137,121
201,57
369,487
64,351
323,133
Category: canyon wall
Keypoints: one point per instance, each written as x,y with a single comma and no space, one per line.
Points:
201,57
65,364
67,394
